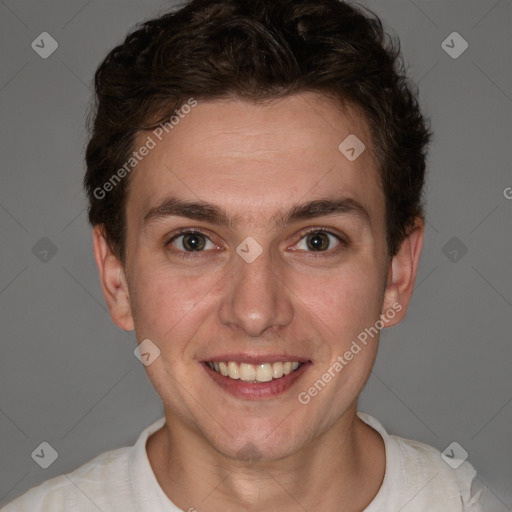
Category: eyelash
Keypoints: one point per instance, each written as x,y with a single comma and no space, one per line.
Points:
343,242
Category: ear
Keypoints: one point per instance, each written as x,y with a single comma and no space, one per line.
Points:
402,275
113,281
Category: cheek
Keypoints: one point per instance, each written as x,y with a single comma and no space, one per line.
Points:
344,305
167,305
345,301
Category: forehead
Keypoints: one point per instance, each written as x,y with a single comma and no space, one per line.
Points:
256,159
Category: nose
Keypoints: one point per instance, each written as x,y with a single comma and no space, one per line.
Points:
255,298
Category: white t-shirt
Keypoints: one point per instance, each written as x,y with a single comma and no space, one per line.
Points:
416,479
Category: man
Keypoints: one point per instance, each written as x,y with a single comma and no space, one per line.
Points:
255,174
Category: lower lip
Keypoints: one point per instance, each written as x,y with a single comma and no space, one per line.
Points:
260,390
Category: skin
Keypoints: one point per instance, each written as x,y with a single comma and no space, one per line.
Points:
255,161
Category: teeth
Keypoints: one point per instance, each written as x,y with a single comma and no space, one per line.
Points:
233,370
247,372
263,372
223,368
277,370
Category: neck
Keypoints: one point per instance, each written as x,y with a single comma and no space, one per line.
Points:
341,470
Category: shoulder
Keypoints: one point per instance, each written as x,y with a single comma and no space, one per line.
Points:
113,480
424,464
419,479
86,488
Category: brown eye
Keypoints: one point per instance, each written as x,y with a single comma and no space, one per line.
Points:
191,242
318,241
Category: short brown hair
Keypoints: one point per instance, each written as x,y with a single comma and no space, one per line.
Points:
257,50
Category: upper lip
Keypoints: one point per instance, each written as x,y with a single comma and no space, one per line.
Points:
257,358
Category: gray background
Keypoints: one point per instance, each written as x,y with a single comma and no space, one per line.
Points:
68,375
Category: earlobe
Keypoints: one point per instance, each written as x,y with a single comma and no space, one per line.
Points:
113,281
402,275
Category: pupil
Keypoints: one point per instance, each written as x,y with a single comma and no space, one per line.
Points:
318,241
193,242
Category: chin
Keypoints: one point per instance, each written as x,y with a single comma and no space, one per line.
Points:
260,440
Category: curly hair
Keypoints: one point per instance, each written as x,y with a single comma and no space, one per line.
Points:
255,51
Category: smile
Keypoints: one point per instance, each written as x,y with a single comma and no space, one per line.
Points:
254,373
252,376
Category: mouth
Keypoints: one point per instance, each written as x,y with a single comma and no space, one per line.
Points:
247,372
256,379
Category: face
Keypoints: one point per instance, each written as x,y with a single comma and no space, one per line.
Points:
254,245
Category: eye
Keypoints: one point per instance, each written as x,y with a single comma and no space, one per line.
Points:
318,241
192,241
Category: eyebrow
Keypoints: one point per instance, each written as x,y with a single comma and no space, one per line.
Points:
213,214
